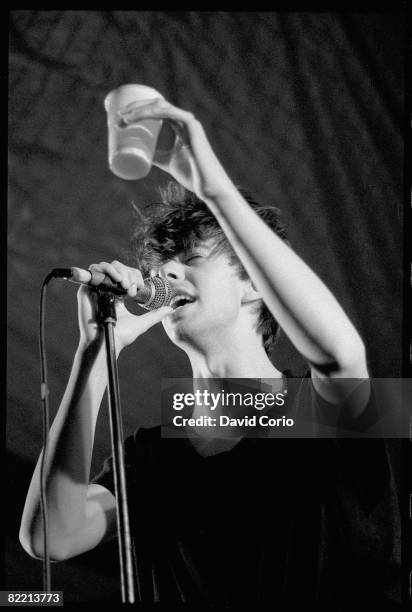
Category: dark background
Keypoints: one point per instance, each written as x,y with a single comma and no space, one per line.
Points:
303,109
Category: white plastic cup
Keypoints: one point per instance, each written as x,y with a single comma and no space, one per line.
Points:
131,147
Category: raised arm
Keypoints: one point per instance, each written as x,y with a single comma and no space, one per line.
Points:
301,303
81,516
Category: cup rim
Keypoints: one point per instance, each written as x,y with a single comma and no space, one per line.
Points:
130,85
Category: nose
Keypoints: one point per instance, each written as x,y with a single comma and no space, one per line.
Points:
172,271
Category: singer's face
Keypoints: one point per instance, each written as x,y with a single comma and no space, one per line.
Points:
215,292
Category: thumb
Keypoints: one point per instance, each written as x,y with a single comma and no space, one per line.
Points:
149,319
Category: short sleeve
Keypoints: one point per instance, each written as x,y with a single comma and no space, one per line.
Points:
360,508
352,459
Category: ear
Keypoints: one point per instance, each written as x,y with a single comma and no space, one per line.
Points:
250,293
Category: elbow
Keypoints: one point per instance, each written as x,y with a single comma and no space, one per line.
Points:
33,545
26,536
346,360
351,359
29,543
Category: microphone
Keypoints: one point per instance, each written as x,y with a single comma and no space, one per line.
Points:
156,293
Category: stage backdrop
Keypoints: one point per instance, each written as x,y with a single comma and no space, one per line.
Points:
303,109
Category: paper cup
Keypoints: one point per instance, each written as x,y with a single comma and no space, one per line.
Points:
131,147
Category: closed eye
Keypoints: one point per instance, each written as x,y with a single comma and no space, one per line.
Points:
192,257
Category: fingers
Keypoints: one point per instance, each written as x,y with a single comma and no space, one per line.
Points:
129,278
137,104
157,109
189,131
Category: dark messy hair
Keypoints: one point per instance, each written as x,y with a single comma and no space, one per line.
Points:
174,225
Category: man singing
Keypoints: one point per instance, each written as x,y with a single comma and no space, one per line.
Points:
225,520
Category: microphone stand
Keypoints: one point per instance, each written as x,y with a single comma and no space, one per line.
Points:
108,318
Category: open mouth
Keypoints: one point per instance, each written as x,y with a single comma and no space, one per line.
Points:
178,301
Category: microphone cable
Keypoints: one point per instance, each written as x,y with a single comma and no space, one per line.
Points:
44,393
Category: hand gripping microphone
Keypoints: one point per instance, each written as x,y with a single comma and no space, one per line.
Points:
156,293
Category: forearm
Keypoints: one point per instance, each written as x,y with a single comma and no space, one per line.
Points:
301,303
68,460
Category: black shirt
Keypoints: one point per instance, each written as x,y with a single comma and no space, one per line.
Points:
272,520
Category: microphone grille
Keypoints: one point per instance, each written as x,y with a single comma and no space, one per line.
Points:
160,293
